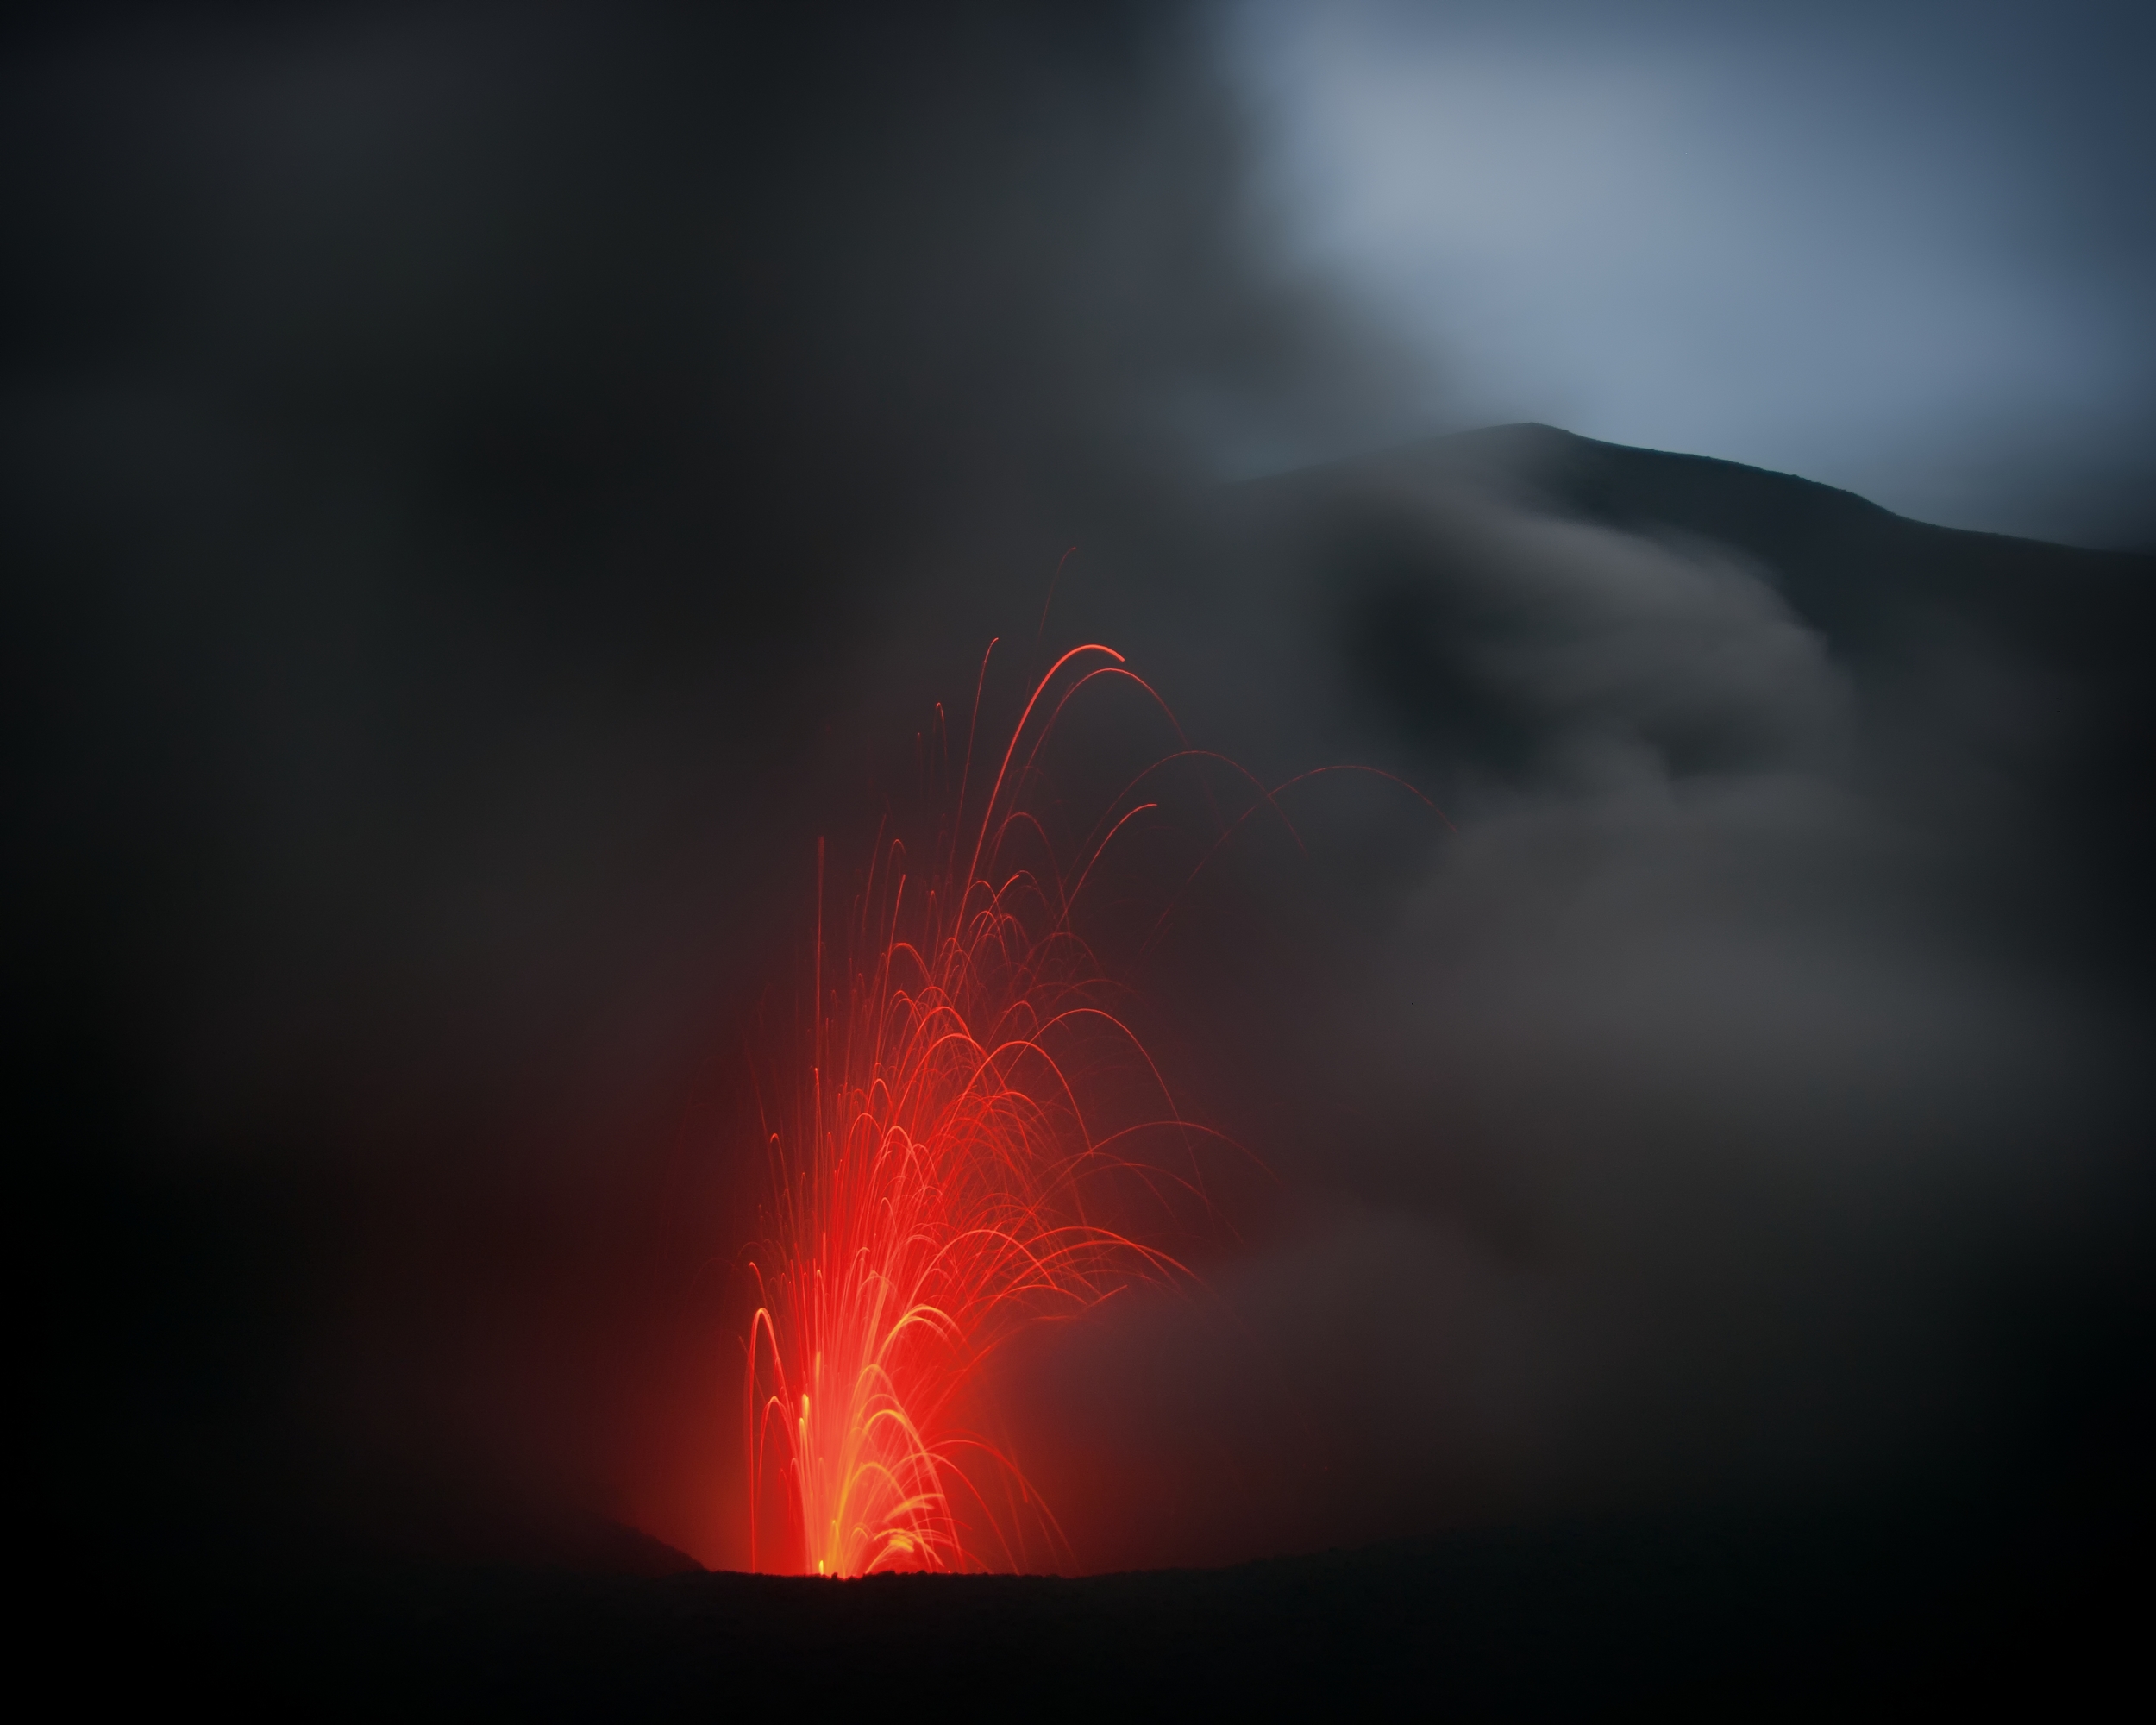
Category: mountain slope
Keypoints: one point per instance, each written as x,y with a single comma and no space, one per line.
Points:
1858,572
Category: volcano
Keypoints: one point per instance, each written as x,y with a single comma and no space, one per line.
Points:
2011,1579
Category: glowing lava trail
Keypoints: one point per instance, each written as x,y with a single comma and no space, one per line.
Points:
964,1145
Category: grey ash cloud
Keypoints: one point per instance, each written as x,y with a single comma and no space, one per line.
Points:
1709,1112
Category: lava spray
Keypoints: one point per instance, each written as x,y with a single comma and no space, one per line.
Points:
957,1170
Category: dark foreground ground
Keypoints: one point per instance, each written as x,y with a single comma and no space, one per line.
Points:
1897,1612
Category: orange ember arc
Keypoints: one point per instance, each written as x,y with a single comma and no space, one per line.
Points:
963,1161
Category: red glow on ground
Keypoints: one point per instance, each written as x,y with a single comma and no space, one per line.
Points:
965,1161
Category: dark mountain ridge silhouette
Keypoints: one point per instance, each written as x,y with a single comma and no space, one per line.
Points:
1859,573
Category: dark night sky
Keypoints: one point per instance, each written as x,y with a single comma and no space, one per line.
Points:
484,492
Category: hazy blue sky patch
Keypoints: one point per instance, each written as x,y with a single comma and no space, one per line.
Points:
1907,250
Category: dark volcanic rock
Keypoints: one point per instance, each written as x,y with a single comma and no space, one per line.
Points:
1872,1611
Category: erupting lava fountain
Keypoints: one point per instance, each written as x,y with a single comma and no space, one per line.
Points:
966,1137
